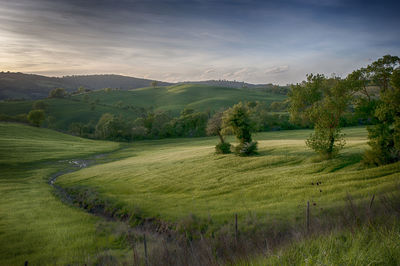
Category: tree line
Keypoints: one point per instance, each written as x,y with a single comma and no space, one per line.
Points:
373,93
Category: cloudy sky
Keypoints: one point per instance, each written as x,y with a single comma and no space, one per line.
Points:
277,41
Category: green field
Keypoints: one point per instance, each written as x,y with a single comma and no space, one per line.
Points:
66,111
173,99
176,98
35,225
175,178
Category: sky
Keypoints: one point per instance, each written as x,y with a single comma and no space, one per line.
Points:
255,41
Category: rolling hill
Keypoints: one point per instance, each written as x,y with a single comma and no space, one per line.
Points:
177,97
30,86
90,106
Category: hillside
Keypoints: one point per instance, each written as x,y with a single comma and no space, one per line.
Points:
35,226
30,86
177,97
90,106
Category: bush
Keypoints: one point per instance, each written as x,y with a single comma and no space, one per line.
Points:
57,93
36,117
246,149
223,148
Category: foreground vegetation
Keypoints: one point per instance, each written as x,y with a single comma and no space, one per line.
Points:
368,245
35,225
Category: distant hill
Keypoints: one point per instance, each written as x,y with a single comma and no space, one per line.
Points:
130,104
242,85
229,83
30,86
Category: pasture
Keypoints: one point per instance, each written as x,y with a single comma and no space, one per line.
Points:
175,178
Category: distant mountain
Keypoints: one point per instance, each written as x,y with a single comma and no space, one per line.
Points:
30,86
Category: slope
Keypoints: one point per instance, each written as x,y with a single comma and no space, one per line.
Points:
34,225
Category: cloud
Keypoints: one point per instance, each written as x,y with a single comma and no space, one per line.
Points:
277,69
249,40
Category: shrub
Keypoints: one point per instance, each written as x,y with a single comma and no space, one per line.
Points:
57,93
36,117
246,148
223,148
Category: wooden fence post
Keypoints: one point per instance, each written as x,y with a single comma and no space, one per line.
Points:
145,250
308,217
372,201
236,228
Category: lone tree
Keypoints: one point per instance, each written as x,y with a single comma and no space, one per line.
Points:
214,127
321,102
57,93
36,117
384,136
238,120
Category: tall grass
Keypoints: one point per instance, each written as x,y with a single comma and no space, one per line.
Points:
34,225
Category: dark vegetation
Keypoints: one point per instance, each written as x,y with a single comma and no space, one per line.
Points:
323,102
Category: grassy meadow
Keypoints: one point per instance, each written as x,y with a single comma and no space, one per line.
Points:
35,225
175,98
171,98
177,177
174,178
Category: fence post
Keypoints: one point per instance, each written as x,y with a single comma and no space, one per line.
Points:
145,250
308,217
372,201
236,228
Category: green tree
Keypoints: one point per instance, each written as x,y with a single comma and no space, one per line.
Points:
36,117
102,127
214,127
321,102
384,137
81,90
40,105
57,93
238,120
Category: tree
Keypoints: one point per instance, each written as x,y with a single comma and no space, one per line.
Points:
154,83
321,102
40,105
214,127
384,136
36,117
102,127
365,81
81,90
237,119
160,119
57,93
113,128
